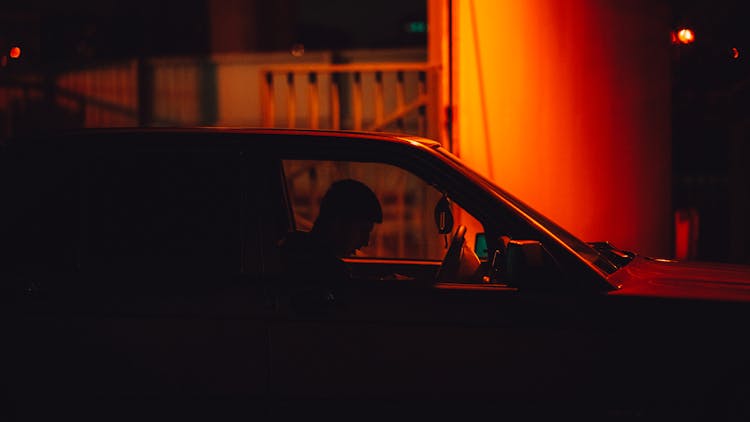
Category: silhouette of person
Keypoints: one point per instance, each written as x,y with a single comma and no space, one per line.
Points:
347,215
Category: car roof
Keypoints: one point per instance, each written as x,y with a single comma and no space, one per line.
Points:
342,134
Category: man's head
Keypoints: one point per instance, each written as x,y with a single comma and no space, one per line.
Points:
347,214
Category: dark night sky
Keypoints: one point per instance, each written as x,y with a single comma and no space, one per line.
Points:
357,24
106,29
77,30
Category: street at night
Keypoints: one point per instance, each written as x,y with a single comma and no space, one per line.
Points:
251,209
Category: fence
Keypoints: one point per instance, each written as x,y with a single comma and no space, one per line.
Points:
394,92
365,96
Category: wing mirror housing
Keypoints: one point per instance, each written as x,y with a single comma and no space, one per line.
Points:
444,216
527,265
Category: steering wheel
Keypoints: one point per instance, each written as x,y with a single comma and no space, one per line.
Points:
452,260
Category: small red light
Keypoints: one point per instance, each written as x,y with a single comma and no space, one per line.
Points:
735,53
685,35
15,52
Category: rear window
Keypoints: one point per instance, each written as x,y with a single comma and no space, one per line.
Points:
120,211
162,209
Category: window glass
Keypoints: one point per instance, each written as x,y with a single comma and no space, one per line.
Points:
171,210
408,230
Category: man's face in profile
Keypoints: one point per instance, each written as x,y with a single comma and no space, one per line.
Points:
353,234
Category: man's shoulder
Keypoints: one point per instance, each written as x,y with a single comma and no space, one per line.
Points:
303,254
297,240
301,247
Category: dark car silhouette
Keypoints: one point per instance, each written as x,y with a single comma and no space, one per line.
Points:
141,279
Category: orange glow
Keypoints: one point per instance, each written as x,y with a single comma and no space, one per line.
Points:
576,125
735,53
15,52
686,35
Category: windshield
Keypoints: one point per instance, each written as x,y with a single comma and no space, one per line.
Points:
583,249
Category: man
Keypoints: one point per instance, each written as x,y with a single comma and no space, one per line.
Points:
348,212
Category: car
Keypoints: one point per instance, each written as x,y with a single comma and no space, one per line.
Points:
141,276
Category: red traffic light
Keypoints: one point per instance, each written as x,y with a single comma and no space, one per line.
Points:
15,52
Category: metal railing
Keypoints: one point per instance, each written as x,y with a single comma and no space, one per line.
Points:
377,96
362,96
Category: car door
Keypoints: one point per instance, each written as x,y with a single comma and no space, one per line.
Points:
162,307
407,340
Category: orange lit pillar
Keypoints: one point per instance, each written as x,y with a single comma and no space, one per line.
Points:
439,56
567,105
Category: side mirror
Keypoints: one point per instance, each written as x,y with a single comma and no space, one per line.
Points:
529,266
443,216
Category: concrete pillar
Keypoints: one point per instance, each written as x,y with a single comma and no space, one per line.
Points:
566,104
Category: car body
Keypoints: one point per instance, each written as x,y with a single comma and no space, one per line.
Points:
141,267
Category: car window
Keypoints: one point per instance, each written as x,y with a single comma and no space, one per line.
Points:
408,230
172,210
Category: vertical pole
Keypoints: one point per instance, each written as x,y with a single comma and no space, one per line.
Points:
208,94
145,94
291,101
400,96
267,98
335,102
435,108
120,93
313,100
82,103
357,100
439,51
421,118
92,82
378,99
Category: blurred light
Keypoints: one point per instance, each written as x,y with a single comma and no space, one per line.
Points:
3,61
418,27
297,50
686,227
685,35
735,53
15,52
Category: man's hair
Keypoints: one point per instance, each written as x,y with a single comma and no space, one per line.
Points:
349,199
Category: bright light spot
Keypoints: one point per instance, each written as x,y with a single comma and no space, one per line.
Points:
735,53
15,52
685,35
